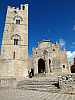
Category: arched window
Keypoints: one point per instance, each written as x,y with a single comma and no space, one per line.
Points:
17,21
23,8
16,41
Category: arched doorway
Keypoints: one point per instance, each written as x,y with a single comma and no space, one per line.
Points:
73,69
41,66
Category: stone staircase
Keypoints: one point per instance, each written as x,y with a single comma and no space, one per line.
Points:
39,84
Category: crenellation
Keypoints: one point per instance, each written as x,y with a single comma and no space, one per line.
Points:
20,9
10,8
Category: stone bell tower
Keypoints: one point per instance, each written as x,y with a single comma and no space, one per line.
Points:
14,48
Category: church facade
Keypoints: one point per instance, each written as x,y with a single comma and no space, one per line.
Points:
14,49
48,57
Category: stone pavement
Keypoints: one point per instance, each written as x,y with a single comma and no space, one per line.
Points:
20,94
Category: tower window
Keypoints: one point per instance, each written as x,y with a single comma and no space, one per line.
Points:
15,41
17,21
23,7
14,55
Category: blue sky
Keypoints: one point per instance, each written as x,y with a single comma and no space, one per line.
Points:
48,19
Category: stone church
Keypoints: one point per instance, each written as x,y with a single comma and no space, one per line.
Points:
47,57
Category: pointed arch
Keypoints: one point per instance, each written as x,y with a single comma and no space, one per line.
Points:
41,66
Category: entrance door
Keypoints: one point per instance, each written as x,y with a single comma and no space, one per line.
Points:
41,66
73,69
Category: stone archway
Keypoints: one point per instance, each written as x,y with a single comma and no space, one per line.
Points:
41,66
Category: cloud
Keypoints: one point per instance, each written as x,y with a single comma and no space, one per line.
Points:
73,43
73,54
74,28
70,55
62,43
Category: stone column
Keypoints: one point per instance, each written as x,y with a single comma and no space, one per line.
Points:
47,66
35,67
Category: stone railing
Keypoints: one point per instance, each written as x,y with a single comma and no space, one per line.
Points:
8,83
66,83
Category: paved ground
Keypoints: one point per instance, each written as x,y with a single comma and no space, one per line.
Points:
18,94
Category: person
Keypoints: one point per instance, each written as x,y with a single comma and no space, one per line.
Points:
31,73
